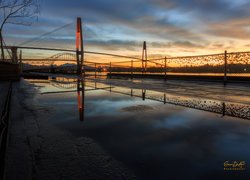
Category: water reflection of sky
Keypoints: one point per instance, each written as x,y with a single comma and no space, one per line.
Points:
164,141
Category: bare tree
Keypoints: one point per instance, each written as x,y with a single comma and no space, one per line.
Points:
19,12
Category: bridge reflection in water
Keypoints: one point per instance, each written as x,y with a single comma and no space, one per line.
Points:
80,97
68,83
126,124
218,105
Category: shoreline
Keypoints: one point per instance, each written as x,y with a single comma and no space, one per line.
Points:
38,150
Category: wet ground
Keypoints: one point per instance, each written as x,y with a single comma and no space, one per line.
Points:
38,148
143,132
4,90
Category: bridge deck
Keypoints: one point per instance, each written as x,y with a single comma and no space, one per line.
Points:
182,77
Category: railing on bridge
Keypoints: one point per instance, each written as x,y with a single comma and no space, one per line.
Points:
225,66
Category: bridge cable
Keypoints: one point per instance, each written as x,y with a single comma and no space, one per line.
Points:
45,34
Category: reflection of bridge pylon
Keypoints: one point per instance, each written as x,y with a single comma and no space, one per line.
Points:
79,85
80,97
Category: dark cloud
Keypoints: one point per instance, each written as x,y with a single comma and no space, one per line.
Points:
211,10
233,28
119,24
136,14
137,45
141,15
218,45
179,44
114,44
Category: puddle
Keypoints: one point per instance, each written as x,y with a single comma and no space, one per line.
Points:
157,136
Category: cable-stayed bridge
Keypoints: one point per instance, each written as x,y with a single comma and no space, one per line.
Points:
226,65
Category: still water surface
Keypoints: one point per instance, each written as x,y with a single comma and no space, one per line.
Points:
154,140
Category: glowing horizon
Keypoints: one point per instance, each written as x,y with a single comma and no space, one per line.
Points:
171,28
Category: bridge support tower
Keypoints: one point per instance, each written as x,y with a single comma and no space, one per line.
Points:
14,54
144,58
79,47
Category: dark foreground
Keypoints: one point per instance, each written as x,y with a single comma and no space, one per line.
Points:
39,149
121,137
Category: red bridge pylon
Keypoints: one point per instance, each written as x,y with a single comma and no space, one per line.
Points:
79,47
144,58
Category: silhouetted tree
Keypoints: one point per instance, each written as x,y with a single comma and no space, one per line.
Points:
19,12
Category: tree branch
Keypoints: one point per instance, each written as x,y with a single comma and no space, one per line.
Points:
12,11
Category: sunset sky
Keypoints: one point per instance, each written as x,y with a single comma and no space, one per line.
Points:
170,27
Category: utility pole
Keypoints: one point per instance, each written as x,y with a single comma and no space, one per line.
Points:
20,62
95,70
110,69
144,58
225,68
131,69
165,69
